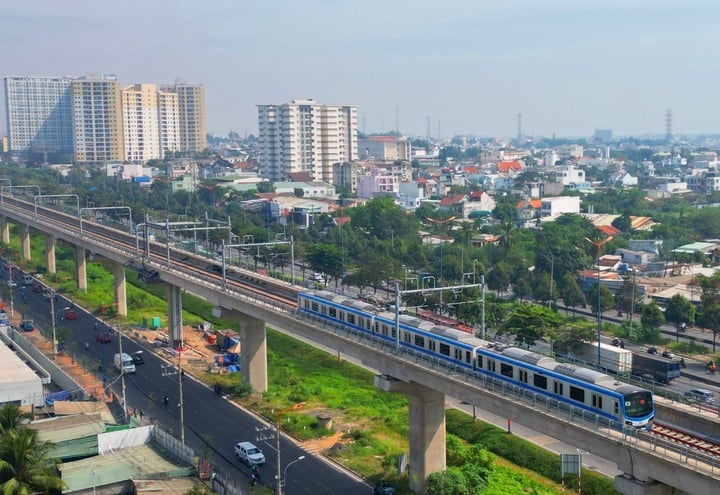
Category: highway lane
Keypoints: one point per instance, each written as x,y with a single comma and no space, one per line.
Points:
206,414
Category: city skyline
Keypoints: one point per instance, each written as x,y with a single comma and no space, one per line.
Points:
568,67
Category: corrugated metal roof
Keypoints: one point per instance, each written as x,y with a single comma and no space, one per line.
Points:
141,462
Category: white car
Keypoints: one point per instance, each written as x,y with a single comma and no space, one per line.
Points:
248,453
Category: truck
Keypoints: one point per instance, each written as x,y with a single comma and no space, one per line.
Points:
661,369
613,359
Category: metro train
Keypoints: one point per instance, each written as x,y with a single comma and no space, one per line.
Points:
594,392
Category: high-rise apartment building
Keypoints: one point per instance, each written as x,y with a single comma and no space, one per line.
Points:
306,136
150,122
39,114
97,119
191,107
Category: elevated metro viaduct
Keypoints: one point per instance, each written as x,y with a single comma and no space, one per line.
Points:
647,469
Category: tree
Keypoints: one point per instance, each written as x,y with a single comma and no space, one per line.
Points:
528,323
710,318
572,337
26,465
570,291
628,298
11,417
652,319
265,187
606,298
299,192
680,311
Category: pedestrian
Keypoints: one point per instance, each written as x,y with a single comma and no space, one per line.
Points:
142,414
135,412
622,344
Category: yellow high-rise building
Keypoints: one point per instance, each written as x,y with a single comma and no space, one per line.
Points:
191,105
97,119
150,122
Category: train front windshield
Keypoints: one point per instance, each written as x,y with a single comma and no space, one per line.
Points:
638,404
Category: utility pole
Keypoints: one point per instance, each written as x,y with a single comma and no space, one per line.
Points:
122,377
171,370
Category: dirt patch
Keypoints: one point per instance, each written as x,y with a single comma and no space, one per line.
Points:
341,427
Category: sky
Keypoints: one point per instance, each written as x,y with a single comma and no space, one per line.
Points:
471,66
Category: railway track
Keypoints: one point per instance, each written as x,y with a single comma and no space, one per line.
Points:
684,438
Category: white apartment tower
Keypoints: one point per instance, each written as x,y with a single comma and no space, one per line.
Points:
39,114
97,119
150,122
191,108
306,136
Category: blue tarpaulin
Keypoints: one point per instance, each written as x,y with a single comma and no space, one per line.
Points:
57,396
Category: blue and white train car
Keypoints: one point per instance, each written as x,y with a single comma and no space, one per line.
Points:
584,389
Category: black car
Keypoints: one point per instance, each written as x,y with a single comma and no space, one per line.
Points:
137,357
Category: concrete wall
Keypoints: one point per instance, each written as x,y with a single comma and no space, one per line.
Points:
59,377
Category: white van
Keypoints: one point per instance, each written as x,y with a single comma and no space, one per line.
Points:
124,363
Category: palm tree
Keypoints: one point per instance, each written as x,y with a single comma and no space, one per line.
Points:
11,417
25,464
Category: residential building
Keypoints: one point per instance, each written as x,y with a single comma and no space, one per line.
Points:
377,182
558,205
150,122
306,136
97,119
39,114
385,148
191,111
569,175
345,175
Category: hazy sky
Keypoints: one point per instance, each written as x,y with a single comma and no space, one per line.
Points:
569,66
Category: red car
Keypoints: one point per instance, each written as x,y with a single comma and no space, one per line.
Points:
103,338
70,314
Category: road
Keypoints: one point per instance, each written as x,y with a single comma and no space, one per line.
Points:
206,415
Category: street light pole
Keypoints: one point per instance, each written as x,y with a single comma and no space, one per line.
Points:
290,464
278,474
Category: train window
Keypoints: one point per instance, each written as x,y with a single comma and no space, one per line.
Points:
522,375
597,401
341,315
419,341
332,312
491,365
540,381
394,332
384,330
616,407
577,394
444,349
506,370
407,337
351,318
431,345
315,306
468,357
558,388
307,304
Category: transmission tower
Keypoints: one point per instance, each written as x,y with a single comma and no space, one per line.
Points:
668,126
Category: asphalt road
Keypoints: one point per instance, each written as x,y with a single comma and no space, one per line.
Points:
206,415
